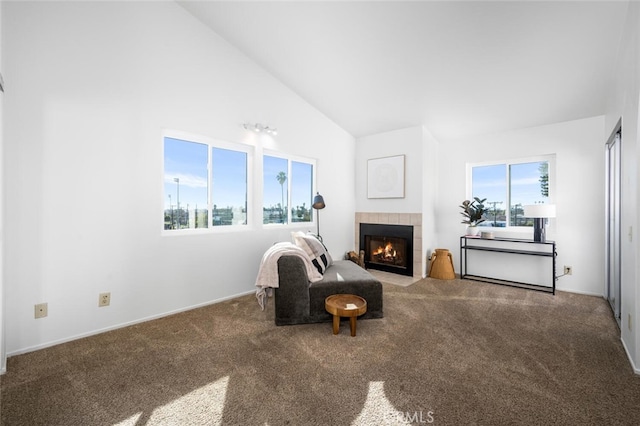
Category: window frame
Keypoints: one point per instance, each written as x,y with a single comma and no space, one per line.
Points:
549,158
212,143
290,158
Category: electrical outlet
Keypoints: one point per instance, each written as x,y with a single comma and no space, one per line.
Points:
41,310
568,270
104,299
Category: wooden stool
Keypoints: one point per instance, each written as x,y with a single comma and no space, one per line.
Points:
345,305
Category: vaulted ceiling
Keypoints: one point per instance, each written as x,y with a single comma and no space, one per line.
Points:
459,68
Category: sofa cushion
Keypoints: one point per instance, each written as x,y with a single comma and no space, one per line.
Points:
315,249
346,277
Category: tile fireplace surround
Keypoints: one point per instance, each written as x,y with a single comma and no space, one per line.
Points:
414,219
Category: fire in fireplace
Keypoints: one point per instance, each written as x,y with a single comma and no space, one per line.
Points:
387,247
387,251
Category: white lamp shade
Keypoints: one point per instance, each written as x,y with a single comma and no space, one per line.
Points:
540,210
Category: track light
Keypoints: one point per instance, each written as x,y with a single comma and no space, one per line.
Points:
260,128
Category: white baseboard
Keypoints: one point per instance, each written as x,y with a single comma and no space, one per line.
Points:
586,293
121,325
633,365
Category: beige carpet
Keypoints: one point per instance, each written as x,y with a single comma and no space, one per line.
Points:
447,352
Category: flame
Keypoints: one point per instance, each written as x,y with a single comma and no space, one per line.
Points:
387,251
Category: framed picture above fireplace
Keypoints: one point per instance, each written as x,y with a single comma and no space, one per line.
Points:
385,177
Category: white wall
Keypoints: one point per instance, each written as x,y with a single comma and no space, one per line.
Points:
579,149
623,102
421,174
415,144
430,194
406,142
92,87
436,185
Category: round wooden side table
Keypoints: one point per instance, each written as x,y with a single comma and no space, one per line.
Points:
345,305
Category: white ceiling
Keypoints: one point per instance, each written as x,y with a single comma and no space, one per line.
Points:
460,68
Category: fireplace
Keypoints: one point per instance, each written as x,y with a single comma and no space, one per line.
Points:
387,247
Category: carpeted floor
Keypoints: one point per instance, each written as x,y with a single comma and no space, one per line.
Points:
447,352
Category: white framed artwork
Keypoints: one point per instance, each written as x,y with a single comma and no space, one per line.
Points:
385,177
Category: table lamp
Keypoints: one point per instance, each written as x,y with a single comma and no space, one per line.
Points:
540,213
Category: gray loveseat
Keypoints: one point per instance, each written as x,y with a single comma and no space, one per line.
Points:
298,302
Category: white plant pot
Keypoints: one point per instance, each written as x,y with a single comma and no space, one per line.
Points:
473,231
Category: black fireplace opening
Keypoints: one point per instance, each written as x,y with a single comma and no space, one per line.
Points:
387,247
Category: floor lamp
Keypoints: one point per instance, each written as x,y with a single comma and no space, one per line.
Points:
540,213
318,204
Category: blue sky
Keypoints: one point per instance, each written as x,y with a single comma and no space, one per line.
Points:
186,161
272,193
229,178
302,184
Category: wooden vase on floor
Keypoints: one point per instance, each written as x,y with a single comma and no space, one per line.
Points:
441,266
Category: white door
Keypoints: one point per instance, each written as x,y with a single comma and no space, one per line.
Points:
3,349
612,205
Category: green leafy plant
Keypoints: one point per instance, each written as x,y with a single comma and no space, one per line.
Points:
473,211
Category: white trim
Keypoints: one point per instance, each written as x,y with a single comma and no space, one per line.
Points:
570,290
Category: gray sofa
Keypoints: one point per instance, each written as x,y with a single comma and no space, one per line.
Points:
298,302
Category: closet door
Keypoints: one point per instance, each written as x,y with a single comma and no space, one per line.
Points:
3,349
612,206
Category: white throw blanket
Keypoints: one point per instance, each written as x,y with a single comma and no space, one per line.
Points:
268,272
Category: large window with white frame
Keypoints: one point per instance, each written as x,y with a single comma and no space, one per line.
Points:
287,189
205,183
508,186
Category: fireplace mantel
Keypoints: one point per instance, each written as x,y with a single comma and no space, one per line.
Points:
414,219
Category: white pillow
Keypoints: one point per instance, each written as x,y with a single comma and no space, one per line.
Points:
314,248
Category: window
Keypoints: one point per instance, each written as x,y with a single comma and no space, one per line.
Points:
276,189
229,189
205,183
186,169
301,191
508,186
287,190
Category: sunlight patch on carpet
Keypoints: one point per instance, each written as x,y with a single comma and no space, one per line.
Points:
202,406
131,421
379,410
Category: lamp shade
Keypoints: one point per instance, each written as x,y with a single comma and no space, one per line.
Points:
318,202
540,210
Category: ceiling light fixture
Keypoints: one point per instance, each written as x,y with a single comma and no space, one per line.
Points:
260,128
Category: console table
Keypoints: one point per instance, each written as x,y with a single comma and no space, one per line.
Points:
509,251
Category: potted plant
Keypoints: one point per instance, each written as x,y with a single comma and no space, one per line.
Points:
473,212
